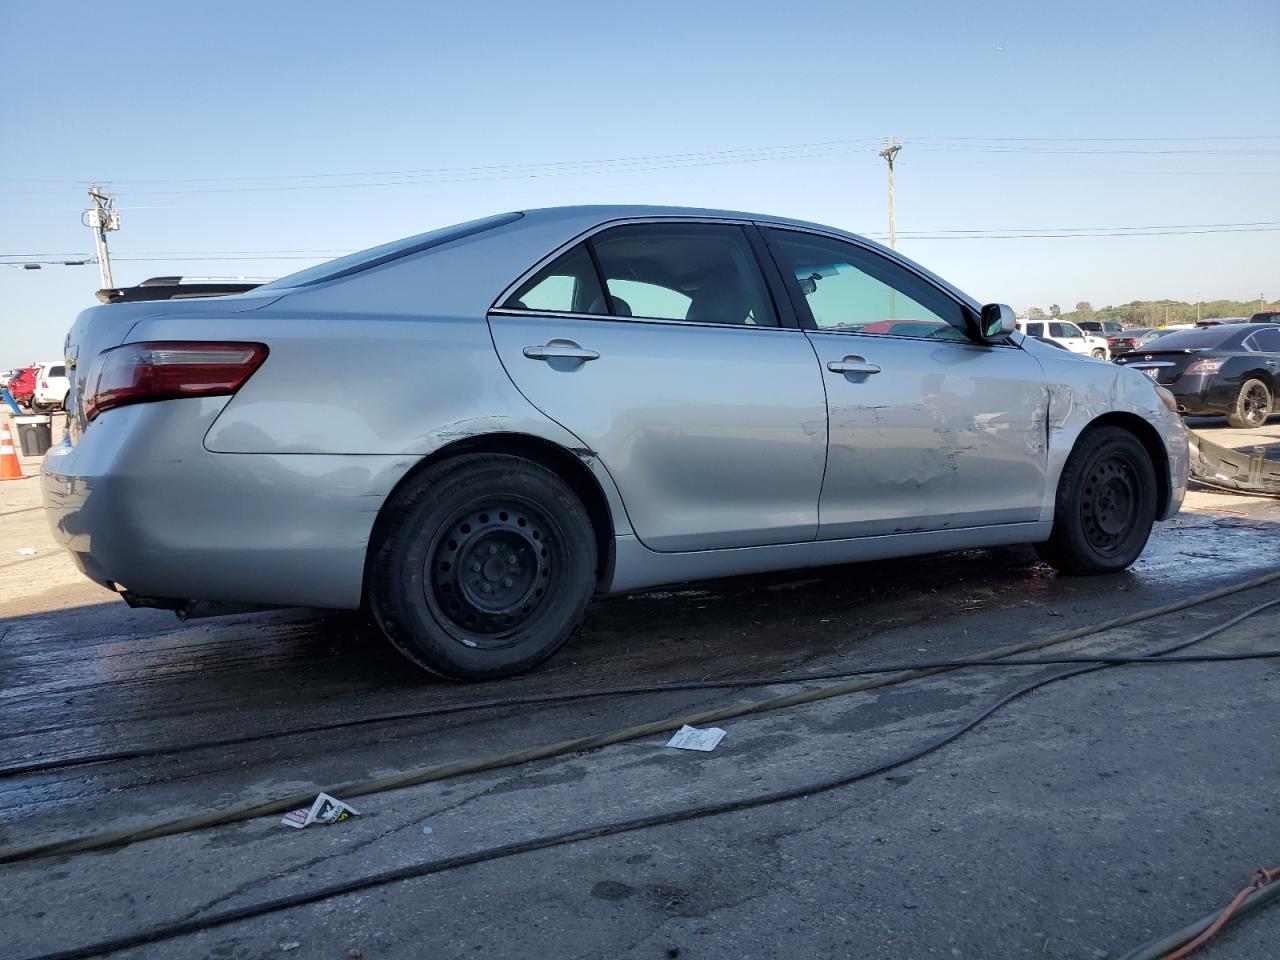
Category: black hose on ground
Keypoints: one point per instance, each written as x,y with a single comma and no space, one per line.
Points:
1155,949
701,811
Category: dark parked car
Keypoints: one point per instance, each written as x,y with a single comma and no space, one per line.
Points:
1266,316
1135,338
1103,328
1231,369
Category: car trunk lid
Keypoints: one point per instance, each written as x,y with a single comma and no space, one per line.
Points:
1163,366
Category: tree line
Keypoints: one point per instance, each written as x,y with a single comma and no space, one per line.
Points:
1154,313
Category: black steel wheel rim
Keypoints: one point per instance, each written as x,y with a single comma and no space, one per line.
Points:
1256,405
491,569
1109,504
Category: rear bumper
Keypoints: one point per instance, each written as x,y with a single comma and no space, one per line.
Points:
140,503
1204,396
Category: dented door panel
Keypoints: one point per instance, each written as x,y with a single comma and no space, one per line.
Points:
946,435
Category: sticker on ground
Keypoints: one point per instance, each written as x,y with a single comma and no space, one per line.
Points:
691,738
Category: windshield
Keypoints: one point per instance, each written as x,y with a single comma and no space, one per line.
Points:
364,259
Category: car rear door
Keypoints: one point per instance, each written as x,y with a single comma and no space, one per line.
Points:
927,432
659,346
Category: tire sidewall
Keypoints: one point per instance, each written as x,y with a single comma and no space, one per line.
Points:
397,581
1073,553
1238,419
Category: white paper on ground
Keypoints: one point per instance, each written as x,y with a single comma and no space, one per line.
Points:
326,809
691,738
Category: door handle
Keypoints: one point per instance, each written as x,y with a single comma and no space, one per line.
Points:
560,350
852,365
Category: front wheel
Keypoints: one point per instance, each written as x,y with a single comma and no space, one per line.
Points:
1105,507
482,567
1099,354
1252,407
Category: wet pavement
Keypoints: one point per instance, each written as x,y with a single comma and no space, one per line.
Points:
1077,822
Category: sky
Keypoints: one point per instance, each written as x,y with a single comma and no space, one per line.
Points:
256,139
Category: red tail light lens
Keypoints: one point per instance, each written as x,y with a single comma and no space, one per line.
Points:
167,370
1205,366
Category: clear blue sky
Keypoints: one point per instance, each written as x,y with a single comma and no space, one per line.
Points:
135,94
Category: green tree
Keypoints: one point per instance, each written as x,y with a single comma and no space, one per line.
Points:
1055,310
1084,309
1034,313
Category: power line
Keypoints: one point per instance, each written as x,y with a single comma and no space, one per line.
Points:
756,154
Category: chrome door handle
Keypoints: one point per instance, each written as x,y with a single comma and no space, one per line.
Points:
852,365
560,349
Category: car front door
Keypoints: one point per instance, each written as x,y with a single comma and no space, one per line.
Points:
1070,336
659,346
929,430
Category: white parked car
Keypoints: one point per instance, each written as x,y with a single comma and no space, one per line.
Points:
1067,335
52,387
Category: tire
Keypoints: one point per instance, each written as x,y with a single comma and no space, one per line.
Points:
1105,507
1099,354
1253,406
66,402
481,567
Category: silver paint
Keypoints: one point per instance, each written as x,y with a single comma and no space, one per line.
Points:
709,444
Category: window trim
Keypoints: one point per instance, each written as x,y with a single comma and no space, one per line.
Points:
805,315
786,317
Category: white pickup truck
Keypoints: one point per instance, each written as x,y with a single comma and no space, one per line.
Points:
1067,334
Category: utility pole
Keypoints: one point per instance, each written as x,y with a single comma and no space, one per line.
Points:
890,151
1197,308
101,219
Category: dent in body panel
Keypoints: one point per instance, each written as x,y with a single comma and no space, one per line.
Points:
1081,391
949,435
374,385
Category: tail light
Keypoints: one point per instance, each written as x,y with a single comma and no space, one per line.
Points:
1205,366
168,370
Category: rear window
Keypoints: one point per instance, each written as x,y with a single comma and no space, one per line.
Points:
374,256
1199,339
58,371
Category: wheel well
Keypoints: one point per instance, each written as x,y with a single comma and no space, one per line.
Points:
555,458
1151,442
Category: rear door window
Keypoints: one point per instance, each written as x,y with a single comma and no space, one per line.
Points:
567,285
1266,341
696,272
1035,329
58,371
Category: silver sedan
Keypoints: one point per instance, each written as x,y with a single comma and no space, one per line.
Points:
472,431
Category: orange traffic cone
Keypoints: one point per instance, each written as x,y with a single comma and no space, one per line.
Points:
10,468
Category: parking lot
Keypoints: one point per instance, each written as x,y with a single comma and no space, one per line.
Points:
1078,821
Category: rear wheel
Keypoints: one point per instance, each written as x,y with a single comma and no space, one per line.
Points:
1105,506
1252,407
482,567
1099,354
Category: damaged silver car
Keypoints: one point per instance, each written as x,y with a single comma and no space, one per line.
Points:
571,401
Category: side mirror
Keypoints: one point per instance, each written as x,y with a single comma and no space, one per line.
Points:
997,321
